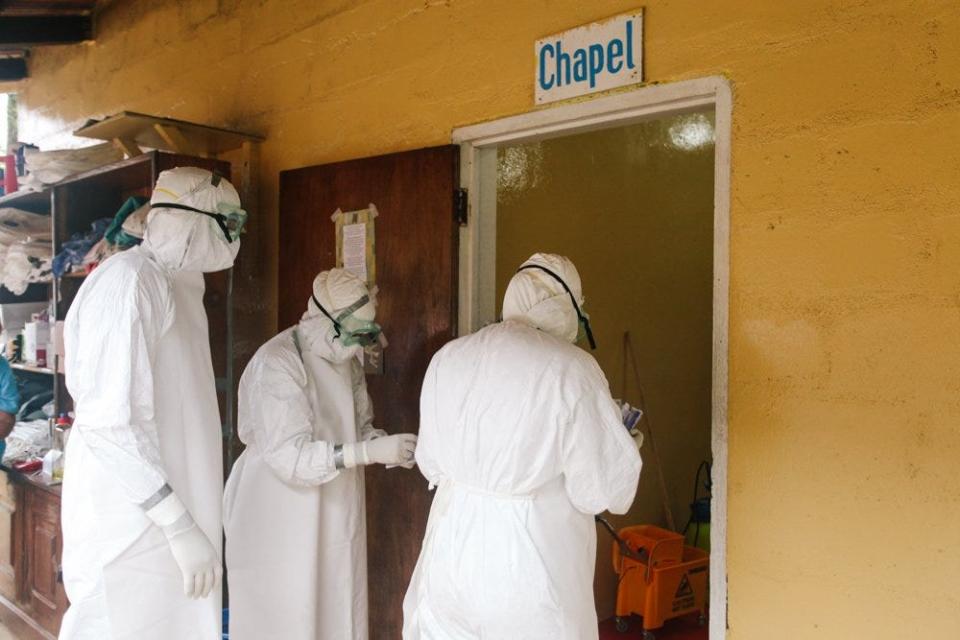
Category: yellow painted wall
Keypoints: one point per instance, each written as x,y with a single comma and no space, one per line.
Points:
845,218
633,208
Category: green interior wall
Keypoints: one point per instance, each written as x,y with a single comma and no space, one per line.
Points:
633,208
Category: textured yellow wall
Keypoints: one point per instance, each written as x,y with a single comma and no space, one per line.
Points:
634,211
845,219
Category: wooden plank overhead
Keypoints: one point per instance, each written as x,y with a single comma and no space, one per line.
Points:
165,133
46,7
27,31
29,23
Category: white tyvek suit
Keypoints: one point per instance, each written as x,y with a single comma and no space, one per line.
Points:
138,367
295,524
520,435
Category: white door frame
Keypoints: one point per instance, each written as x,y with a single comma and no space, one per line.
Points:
478,145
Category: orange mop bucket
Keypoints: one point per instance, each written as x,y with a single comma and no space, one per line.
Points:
660,577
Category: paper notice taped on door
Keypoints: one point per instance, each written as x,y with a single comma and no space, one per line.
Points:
355,249
356,242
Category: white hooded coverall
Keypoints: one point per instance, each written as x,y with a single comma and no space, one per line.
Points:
524,443
295,524
139,370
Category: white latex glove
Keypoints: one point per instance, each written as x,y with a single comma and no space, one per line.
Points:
389,450
397,449
198,560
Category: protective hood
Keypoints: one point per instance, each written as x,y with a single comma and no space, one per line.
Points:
536,299
336,290
185,240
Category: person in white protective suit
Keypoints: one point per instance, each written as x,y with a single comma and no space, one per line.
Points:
143,479
520,436
294,511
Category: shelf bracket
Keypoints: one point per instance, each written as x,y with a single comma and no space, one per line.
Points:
127,146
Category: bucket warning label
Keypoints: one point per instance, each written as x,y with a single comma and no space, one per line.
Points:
683,598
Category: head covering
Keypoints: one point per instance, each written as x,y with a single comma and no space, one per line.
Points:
336,290
535,298
186,240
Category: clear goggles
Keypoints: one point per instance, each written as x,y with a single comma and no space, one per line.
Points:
583,318
350,329
231,219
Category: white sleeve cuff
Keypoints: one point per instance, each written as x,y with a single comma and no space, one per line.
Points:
167,511
354,453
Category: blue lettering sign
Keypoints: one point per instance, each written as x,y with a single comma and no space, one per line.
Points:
614,53
580,65
563,66
592,63
596,63
544,83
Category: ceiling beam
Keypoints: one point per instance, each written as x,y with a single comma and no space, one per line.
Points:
12,69
45,7
35,30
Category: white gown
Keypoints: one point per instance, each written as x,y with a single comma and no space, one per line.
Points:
295,525
119,574
139,369
524,443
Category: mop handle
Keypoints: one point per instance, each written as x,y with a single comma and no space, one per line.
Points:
664,496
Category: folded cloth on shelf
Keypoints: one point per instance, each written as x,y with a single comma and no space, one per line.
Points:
49,167
27,440
98,253
78,246
26,262
25,248
17,225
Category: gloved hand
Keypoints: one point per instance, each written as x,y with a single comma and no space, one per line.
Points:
197,559
397,449
390,450
193,552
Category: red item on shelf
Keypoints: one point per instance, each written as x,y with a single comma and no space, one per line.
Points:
9,173
28,466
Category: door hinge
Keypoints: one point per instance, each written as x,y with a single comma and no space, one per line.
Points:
460,206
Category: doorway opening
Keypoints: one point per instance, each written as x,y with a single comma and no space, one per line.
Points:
634,188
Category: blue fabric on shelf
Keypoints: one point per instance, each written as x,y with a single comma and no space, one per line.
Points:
78,246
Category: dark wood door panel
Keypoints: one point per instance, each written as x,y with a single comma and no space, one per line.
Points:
416,253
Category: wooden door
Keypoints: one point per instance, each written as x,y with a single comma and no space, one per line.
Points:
416,257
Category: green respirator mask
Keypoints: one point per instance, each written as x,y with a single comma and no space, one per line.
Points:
350,329
229,218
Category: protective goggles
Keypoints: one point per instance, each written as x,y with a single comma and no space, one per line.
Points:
229,218
350,329
582,317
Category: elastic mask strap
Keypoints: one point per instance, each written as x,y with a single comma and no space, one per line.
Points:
582,318
219,218
356,305
336,325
